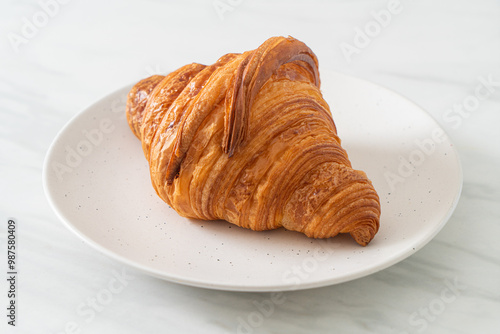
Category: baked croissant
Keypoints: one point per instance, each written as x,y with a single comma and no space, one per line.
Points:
251,140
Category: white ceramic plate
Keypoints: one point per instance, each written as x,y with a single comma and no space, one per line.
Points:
97,181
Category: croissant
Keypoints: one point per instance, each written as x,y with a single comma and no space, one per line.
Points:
250,140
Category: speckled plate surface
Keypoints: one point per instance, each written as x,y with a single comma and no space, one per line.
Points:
97,181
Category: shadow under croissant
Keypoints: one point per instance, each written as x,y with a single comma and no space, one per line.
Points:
287,237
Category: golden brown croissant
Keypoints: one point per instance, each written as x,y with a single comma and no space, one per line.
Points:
251,140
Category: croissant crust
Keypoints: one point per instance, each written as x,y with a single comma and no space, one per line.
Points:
250,139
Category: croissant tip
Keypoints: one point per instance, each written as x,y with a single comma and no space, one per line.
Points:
362,236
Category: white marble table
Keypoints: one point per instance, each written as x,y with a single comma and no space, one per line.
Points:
58,57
